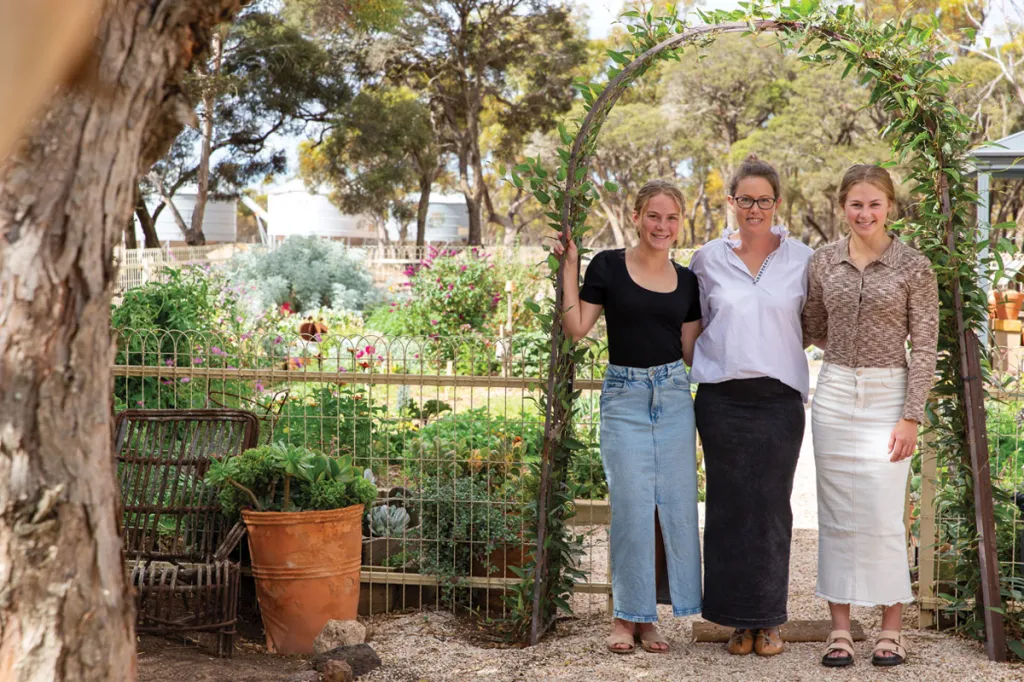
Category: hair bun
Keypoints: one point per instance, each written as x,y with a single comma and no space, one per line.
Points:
752,157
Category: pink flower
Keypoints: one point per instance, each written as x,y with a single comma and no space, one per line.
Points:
433,322
217,351
278,339
169,362
417,356
370,350
185,380
197,361
472,287
360,354
258,386
450,287
232,367
140,403
462,268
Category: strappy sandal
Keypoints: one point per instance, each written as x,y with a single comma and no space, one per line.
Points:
838,640
741,642
650,637
620,638
897,649
768,642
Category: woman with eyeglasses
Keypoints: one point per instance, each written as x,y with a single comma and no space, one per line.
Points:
753,381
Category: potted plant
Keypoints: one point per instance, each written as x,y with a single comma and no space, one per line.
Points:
389,527
303,511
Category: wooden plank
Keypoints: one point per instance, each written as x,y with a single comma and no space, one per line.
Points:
379,575
591,513
267,375
926,550
793,631
984,510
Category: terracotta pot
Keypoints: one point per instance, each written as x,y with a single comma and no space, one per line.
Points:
1008,304
306,566
502,559
992,305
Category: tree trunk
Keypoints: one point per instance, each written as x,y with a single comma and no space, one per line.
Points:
423,207
709,222
194,236
148,222
65,611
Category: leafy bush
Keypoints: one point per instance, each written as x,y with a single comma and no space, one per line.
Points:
463,519
307,273
284,477
339,421
475,442
169,322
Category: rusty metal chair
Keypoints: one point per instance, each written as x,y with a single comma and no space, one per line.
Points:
177,541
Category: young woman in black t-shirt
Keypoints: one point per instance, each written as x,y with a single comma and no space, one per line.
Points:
648,441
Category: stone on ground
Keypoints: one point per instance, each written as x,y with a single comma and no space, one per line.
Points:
338,671
339,633
360,657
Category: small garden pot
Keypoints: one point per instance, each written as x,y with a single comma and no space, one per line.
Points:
498,564
1008,304
306,566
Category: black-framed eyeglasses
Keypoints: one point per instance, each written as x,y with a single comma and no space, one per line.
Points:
764,203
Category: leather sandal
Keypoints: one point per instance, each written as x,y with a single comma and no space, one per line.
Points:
741,642
650,637
892,642
619,638
768,642
838,640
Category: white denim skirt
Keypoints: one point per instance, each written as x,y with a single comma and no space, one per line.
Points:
862,541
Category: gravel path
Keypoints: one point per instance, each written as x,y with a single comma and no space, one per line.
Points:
433,647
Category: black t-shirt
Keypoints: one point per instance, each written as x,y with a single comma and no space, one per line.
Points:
644,326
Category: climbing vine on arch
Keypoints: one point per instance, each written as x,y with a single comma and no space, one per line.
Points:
903,69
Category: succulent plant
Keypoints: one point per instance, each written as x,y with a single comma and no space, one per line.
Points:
387,521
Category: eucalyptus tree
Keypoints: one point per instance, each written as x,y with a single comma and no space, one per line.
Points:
66,192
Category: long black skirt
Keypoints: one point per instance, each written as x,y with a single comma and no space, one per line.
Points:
751,430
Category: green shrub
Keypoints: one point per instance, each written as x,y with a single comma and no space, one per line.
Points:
462,519
474,442
338,421
172,322
307,273
283,477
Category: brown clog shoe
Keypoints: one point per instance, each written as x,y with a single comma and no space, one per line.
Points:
741,642
768,642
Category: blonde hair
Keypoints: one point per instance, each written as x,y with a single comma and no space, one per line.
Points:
754,167
873,175
653,188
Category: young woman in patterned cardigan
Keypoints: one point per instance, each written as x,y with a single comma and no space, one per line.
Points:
866,294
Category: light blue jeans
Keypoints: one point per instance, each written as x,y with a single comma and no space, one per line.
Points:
648,445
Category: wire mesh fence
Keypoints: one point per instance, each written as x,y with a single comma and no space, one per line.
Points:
449,428
943,530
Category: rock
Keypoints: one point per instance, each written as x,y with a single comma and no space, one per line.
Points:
361,658
338,671
339,633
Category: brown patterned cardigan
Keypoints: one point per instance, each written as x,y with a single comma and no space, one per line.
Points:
867,315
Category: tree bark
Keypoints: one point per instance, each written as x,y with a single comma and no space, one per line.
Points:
65,611
194,236
148,222
423,207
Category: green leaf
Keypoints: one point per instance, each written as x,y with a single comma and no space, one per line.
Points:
611,186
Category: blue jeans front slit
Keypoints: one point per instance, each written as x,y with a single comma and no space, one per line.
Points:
648,445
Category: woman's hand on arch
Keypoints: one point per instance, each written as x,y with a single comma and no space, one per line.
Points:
559,248
903,440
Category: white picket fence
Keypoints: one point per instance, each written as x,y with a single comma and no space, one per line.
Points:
138,266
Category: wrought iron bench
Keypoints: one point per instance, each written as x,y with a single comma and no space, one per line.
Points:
177,542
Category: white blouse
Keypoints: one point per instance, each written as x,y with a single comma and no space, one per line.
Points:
751,324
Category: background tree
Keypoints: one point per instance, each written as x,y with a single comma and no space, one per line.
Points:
268,82
375,154
65,196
